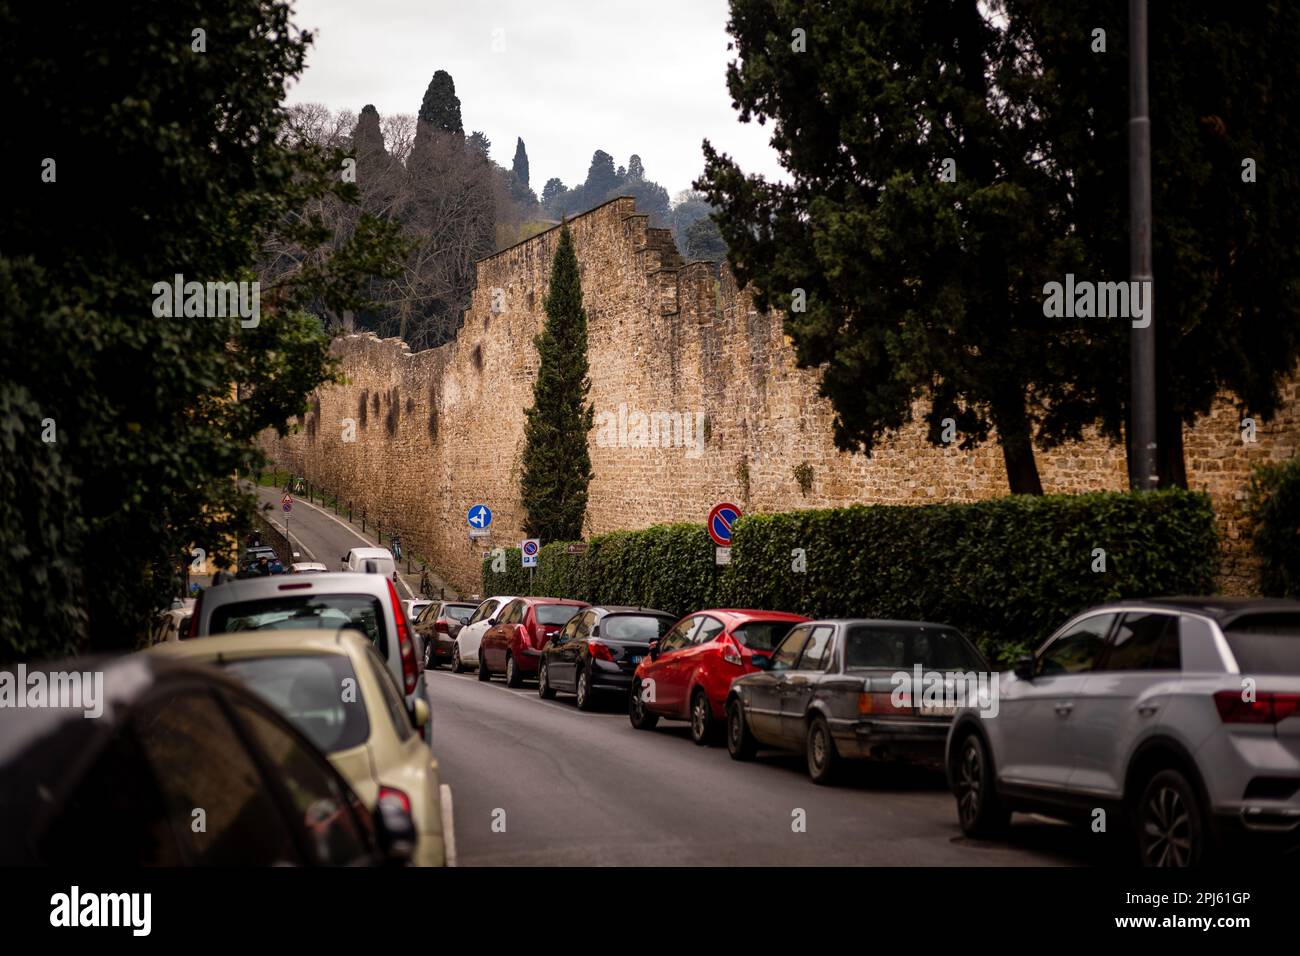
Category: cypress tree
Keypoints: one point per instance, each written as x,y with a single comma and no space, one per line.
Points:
556,462
441,107
521,162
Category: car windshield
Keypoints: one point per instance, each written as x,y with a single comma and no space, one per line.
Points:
635,627
1266,643
305,688
762,635
903,646
291,611
459,612
553,614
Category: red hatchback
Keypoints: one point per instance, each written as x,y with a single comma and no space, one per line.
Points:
513,642
689,670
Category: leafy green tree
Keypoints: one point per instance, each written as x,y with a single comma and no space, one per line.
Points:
602,177
556,460
123,428
520,166
948,160
703,241
441,107
552,191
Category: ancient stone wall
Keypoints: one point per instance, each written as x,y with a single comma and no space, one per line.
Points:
679,357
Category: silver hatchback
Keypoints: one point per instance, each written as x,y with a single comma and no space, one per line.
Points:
1179,716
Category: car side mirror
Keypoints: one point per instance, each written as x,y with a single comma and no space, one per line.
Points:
654,649
492,622
420,713
343,558
394,831
762,663
1024,668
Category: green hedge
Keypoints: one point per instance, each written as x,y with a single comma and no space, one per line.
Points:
1273,508
1005,571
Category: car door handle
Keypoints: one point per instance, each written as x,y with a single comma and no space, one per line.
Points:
1063,709
1146,710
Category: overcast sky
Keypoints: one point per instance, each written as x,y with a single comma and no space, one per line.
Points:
573,77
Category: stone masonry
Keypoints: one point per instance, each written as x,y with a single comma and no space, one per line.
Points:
679,357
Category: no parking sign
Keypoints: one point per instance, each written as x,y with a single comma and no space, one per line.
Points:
528,550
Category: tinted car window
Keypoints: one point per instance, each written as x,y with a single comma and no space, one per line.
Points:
483,612
1077,649
200,764
553,614
310,691
818,651
679,635
709,629
762,635
904,646
789,650
458,612
1144,641
634,627
289,611
1266,643
325,810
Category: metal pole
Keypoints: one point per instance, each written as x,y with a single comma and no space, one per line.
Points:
1142,341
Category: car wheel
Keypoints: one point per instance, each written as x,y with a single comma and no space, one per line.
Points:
823,759
544,688
1170,822
641,718
513,677
740,742
979,811
586,699
702,723
457,667
483,673
428,656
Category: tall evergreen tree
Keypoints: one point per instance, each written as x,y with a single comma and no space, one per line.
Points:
520,167
602,177
556,461
441,107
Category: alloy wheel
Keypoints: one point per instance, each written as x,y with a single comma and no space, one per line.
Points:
1167,828
969,782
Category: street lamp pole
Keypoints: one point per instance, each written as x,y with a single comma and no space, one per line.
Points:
1142,336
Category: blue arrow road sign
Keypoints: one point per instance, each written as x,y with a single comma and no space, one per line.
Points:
480,516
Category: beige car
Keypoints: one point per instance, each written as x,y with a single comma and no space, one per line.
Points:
336,689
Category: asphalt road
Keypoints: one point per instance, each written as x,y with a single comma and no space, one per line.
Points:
540,783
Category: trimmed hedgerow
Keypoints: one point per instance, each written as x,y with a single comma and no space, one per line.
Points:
1005,571
1273,509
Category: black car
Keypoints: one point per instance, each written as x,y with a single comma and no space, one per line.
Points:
437,625
599,650
842,689
173,744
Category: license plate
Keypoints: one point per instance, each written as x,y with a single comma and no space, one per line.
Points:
635,658
931,711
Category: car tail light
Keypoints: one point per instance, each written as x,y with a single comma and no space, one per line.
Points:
409,673
440,626
600,651
883,703
395,798
193,630
732,656
1266,708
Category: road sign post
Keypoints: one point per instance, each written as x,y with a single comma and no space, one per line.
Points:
721,519
286,505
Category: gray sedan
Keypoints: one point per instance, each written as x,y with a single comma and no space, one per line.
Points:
859,688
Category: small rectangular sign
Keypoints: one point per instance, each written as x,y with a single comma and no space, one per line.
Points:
721,555
479,533
578,547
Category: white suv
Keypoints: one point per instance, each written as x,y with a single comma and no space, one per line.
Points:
366,602
1181,716
464,651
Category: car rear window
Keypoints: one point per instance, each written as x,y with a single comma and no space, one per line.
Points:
459,612
550,614
762,635
290,611
306,688
635,627
904,647
1266,643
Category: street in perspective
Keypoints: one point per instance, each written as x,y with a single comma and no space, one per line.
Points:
727,434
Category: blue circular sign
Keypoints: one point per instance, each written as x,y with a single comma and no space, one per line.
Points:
479,516
721,518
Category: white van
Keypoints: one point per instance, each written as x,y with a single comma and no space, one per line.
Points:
356,560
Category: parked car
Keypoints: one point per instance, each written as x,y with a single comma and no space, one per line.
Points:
359,560
368,736
690,669
833,690
307,567
367,602
438,625
1180,716
464,652
173,739
513,642
174,623
252,553
597,650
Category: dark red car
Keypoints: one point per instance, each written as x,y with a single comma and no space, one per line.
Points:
513,641
689,670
